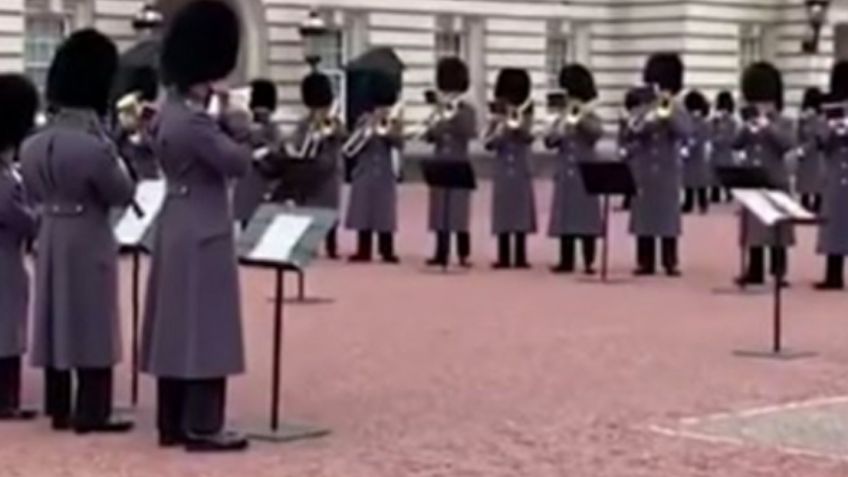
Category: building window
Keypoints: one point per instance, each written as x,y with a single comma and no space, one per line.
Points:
558,53
44,33
751,45
450,39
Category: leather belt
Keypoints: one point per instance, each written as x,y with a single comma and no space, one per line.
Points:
178,190
69,209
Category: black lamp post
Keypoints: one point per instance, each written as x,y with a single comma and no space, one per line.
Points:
816,18
313,33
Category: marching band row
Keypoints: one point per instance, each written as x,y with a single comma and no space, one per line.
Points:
72,174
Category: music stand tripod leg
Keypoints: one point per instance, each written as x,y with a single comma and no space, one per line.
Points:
605,250
136,308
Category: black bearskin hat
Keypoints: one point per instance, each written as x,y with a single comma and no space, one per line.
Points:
383,90
696,102
452,75
578,82
812,99
263,94
839,81
316,91
631,99
82,72
665,70
763,83
512,86
20,102
725,102
201,44
145,81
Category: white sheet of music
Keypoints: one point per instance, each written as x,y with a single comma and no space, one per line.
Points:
758,203
790,205
149,195
280,238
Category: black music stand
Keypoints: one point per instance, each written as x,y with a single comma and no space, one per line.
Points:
742,178
133,230
449,175
277,240
606,179
300,177
794,214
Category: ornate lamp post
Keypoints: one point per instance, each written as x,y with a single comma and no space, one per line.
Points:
313,33
816,18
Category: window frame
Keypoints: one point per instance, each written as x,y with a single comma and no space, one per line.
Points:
35,67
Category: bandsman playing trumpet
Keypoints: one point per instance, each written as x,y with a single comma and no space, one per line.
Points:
658,130
809,176
509,135
451,127
696,167
17,226
319,137
135,113
833,234
723,128
764,139
575,215
372,208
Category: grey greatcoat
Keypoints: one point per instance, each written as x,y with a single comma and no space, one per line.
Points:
17,225
696,165
809,178
833,234
73,174
373,191
723,130
192,318
513,197
326,192
656,163
573,210
252,188
450,210
767,148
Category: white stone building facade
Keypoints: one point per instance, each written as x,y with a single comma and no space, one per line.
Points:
612,37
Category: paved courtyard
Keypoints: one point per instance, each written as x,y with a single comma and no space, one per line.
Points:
496,374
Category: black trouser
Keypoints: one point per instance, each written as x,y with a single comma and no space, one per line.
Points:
646,253
10,383
331,244
365,244
835,271
567,255
443,246
719,194
92,404
812,202
756,271
696,194
505,256
191,408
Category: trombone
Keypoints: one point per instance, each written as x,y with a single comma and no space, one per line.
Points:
321,128
373,124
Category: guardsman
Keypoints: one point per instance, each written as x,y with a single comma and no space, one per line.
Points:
19,100
658,133
833,234
74,175
764,140
253,188
319,137
509,136
809,178
372,207
575,215
192,335
452,127
696,166
723,128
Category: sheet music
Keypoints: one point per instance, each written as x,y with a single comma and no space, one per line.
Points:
759,204
789,206
280,238
130,229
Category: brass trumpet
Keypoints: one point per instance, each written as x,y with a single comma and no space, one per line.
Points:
574,114
516,115
665,106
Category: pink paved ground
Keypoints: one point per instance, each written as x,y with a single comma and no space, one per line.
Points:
498,374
